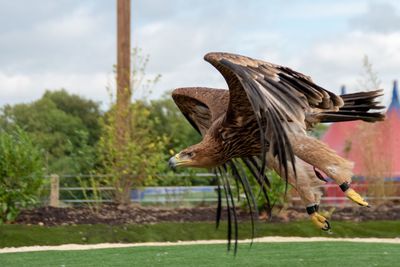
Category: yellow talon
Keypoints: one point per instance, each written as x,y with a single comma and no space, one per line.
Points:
320,221
354,196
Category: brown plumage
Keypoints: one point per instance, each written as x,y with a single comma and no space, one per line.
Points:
262,119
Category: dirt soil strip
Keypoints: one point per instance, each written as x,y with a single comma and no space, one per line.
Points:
199,242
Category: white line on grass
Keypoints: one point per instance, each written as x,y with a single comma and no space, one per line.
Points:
269,239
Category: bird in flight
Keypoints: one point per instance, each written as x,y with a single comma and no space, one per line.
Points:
261,123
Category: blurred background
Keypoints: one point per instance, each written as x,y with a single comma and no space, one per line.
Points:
73,139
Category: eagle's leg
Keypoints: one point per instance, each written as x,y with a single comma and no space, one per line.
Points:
318,220
325,159
307,186
353,195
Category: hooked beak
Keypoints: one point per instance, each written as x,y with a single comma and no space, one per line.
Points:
176,161
173,162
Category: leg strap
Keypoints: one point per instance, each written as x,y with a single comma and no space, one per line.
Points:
345,186
311,209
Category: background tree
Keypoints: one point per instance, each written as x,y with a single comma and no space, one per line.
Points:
172,123
136,162
180,134
375,167
64,125
369,78
86,110
141,158
21,173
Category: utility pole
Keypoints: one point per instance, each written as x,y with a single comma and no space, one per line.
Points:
123,68
124,93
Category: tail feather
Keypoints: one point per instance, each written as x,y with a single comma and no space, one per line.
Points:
357,106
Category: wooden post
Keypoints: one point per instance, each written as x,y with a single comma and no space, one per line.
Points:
124,93
123,70
54,190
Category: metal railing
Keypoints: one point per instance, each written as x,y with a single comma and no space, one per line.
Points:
62,193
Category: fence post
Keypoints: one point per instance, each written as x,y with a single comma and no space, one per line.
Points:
54,190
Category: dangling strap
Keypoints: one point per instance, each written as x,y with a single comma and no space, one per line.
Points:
319,175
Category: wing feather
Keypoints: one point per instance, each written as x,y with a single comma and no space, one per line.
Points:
277,96
201,106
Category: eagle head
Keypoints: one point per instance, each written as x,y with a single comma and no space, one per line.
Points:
202,155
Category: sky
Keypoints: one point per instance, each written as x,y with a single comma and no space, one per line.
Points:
71,44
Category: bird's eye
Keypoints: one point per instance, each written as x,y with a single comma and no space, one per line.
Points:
190,154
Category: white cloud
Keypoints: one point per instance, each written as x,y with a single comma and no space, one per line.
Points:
322,9
380,17
336,61
14,88
58,45
80,23
75,40
22,88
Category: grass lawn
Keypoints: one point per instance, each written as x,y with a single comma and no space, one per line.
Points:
261,254
23,235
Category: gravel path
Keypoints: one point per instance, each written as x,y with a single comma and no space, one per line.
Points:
199,242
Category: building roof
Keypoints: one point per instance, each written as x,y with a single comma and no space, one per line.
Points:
394,104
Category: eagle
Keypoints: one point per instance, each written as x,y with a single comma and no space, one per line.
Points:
261,123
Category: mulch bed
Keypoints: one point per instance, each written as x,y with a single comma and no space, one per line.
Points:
113,214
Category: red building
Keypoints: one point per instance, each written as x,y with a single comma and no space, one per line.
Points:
373,147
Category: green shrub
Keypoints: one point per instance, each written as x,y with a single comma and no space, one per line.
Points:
21,174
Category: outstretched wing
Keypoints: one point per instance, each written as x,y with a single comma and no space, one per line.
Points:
278,97
201,106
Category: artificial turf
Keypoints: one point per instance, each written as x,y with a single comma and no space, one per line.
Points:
24,235
261,254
